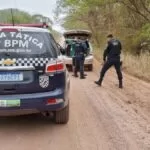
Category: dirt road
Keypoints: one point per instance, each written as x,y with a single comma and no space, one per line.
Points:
101,118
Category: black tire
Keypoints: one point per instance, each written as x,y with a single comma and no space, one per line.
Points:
62,116
90,67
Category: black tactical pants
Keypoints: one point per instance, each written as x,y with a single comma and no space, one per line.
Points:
109,63
73,61
79,66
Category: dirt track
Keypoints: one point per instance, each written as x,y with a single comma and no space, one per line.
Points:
101,118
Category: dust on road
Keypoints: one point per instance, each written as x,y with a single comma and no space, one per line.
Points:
101,118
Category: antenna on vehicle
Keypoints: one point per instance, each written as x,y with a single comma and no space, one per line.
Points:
13,22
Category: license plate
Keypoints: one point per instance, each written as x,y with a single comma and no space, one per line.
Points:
16,76
10,103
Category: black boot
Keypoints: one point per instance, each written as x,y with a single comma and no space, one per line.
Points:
120,84
82,77
75,74
99,82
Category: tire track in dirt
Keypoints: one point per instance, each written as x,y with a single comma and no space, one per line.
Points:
101,118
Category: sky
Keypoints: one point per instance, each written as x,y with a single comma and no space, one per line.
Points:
44,7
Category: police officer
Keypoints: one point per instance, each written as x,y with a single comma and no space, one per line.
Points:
112,53
73,59
80,52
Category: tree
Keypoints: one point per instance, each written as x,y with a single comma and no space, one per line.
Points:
19,16
124,18
22,17
96,15
140,7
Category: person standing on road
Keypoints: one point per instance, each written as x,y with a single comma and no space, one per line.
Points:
112,53
73,58
80,52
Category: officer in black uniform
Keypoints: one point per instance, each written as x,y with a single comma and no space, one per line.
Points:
80,52
112,53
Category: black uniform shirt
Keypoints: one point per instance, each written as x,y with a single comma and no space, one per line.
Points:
79,49
113,50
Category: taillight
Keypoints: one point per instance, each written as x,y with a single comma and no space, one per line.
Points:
52,101
55,67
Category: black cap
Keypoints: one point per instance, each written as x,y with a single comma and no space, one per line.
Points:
109,36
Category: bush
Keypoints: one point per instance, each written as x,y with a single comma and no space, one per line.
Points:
142,39
138,66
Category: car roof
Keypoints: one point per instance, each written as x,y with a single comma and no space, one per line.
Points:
27,29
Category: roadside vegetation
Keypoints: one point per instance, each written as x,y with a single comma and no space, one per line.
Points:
129,20
22,17
138,66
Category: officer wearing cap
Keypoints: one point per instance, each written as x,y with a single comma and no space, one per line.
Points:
112,53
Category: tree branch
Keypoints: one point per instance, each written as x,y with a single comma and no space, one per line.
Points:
144,6
134,9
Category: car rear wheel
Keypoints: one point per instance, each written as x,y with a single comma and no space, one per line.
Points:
90,67
62,116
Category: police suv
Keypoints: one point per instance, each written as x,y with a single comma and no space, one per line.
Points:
33,77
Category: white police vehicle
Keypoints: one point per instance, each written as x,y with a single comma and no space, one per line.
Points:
83,35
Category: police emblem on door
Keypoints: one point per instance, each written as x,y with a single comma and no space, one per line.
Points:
44,81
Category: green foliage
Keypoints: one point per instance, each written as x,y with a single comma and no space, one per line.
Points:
142,35
141,42
145,32
128,20
21,17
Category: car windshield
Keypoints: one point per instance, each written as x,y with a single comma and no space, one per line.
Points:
27,44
